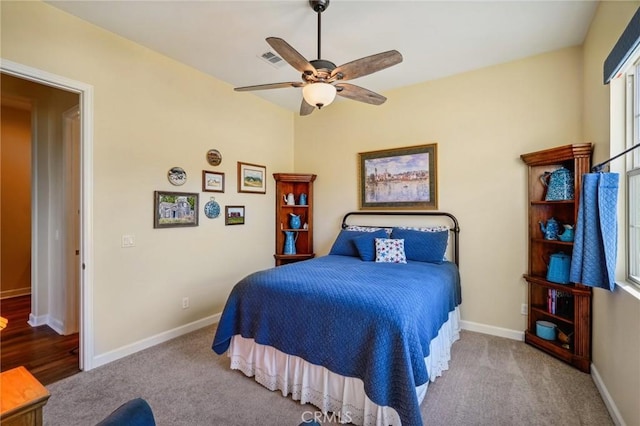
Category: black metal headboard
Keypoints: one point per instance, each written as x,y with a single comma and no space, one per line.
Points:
454,229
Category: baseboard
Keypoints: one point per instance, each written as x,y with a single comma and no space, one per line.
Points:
132,348
36,321
56,325
492,330
606,397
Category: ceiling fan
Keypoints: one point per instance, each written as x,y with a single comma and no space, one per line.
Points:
321,79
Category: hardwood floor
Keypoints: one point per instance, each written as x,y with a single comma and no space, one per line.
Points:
47,355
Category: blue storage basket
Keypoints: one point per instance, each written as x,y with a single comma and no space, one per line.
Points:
546,330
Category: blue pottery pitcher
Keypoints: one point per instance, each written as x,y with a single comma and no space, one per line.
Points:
294,221
568,234
550,230
559,184
559,267
289,242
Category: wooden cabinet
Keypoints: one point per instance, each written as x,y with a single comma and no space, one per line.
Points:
296,184
22,398
566,305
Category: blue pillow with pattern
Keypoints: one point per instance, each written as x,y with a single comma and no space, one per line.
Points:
423,246
344,245
366,244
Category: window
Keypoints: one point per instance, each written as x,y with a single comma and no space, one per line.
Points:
633,175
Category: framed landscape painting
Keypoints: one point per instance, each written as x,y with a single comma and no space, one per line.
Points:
212,181
174,209
399,178
234,215
252,178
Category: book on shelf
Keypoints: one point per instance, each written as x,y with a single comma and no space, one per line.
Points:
559,302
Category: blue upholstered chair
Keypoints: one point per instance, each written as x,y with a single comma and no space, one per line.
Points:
136,412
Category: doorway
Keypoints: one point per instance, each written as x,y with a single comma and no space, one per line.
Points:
61,203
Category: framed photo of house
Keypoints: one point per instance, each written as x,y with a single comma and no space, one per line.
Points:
212,181
399,178
252,178
175,209
234,215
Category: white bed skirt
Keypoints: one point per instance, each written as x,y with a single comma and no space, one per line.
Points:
330,392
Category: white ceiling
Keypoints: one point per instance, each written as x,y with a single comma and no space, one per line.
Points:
436,38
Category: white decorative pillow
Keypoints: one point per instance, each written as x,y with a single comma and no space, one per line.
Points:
438,228
367,229
390,250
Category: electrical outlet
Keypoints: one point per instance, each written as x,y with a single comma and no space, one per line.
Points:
128,241
523,309
185,302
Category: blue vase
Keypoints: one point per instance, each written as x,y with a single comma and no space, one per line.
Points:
289,242
303,199
294,221
559,268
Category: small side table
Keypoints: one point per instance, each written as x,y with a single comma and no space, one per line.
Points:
22,397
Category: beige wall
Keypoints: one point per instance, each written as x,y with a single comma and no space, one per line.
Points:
16,201
616,316
150,114
482,121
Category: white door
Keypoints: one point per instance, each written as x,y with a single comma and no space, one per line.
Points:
71,155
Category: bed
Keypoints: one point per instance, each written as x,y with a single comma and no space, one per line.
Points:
358,333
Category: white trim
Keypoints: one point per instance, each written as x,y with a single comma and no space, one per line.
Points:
56,325
492,330
48,320
86,110
37,321
36,285
606,397
629,288
148,342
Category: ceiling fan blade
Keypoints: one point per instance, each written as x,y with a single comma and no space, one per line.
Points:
357,93
291,55
306,108
269,86
367,65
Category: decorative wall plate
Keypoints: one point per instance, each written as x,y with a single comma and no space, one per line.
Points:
177,176
212,209
214,157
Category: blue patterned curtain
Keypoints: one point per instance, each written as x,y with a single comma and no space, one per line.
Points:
593,261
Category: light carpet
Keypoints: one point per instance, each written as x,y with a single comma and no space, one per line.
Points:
491,381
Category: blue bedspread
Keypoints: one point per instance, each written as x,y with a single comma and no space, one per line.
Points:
326,310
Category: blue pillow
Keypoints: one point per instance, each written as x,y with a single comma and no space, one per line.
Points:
423,246
366,244
344,246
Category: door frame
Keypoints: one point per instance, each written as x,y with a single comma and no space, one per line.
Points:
85,92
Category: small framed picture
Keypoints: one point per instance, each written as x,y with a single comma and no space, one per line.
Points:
252,178
234,215
212,181
175,209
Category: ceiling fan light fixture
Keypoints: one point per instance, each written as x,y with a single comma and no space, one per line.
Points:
319,94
